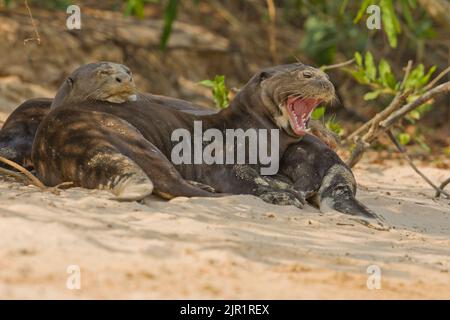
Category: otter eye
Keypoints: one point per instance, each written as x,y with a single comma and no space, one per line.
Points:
307,74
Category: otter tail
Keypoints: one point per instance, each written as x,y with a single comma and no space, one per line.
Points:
338,192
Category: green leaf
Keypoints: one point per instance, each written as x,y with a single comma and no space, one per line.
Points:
371,95
360,76
390,22
414,115
413,3
318,113
135,7
426,78
219,90
384,69
334,126
404,138
407,14
371,70
358,59
391,81
207,83
170,14
362,10
415,77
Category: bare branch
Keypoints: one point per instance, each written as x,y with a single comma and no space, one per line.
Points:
337,65
439,77
37,38
362,143
387,111
384,125
442,186
16,175
411,163
441,89
394,105
272,29
27,173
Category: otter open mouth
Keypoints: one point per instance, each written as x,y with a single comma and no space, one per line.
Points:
299,111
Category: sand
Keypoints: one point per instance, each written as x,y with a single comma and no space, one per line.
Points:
236,247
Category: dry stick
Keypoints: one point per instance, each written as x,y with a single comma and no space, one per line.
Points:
272,29
442,186
27,173
362,142
386,112
36,32
439,77
410,161
16,175
397,115
337,65
397,102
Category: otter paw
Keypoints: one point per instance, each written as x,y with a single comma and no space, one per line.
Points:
281,198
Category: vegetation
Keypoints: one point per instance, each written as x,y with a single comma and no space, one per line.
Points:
219,90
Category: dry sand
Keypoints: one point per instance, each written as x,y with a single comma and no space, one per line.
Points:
233,247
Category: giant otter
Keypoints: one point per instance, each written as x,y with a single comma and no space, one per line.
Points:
17,134
126,147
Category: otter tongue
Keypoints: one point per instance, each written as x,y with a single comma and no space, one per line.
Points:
299,112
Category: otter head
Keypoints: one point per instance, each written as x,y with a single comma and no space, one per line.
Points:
102,81
289,93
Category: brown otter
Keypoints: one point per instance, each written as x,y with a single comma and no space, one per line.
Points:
17,134
125,148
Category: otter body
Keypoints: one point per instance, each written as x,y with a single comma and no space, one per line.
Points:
17,133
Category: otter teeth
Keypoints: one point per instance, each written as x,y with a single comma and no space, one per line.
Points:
133,97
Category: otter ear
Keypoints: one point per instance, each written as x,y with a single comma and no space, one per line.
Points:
70,82
264,75
63,92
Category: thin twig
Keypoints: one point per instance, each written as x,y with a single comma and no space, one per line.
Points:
16,175
407,157
387,111
407,72
337,65
442,186
436,80
394,105
397,102
364,142
397,115
27,173
272,30
37,38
